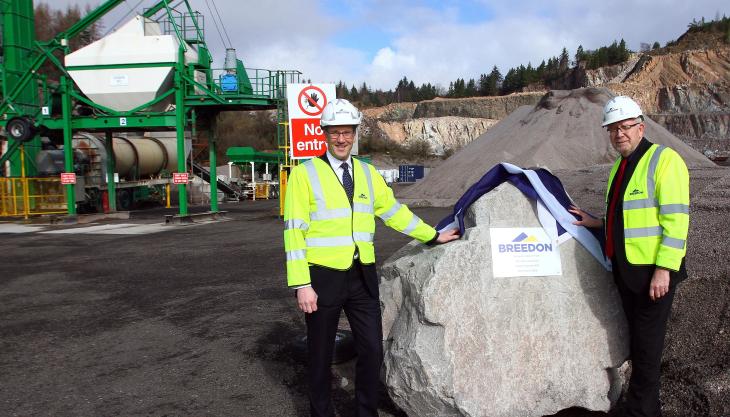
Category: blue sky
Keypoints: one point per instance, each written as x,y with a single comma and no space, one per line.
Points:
381,41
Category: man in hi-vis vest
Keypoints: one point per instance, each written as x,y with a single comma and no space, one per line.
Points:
647,219
329,214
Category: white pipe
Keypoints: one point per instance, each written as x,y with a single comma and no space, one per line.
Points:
253,179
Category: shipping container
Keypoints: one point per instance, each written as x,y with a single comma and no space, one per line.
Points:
410,173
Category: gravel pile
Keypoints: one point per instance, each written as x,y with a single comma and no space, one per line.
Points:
563,131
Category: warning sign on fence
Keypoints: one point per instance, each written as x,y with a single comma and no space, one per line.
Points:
179,177
68,178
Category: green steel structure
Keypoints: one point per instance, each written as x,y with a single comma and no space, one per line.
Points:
31,106
17,44
246,154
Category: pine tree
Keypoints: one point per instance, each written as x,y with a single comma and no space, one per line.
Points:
471,88
483,85
564,61
623,52
364,94
341,90
511,81
495,81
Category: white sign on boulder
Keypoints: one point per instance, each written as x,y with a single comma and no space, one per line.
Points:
459,342
523,251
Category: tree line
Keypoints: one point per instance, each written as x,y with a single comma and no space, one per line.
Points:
492,83
516,79
718,25
50,22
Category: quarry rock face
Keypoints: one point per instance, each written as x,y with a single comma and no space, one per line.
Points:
460,342
440,125
479,107
443,134
688,93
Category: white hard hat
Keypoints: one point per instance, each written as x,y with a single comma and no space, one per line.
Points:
620,108
340,113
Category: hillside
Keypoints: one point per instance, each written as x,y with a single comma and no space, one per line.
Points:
684,87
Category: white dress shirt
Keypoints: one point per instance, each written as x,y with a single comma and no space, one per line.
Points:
337,165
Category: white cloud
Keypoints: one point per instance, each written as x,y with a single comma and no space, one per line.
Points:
427,41
529,31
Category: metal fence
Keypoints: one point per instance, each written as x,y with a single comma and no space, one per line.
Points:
31,196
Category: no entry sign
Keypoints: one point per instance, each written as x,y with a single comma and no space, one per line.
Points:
305,105
309,101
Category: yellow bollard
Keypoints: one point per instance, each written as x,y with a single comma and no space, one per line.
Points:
24,181
167,191
282,190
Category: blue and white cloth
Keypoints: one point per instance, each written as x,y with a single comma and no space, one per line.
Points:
552,201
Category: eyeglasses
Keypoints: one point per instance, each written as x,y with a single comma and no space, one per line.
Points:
347,134
625,128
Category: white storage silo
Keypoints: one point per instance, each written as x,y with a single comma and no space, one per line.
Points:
129,67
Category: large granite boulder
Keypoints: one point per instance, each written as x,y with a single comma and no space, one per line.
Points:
459,342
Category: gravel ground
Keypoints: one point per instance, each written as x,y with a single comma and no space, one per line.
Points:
196,320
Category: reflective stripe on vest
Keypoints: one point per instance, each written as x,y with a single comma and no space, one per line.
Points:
296,224
323,213
362,208
674,209
295,255
390,213
363,236
650,201
329,214
366,208
325,242
673,242
643,231
412,225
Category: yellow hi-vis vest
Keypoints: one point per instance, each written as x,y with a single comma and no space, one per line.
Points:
656,209
321,228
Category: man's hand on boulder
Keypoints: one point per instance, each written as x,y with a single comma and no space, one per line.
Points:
586,220
447,236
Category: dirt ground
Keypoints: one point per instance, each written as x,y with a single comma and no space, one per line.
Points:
188,321
197,321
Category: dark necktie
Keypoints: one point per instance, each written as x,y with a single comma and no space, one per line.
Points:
347,181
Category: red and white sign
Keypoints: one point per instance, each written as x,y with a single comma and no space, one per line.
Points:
305,105
308,100
68,178
179,177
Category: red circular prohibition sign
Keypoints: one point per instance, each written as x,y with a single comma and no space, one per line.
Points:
311,101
